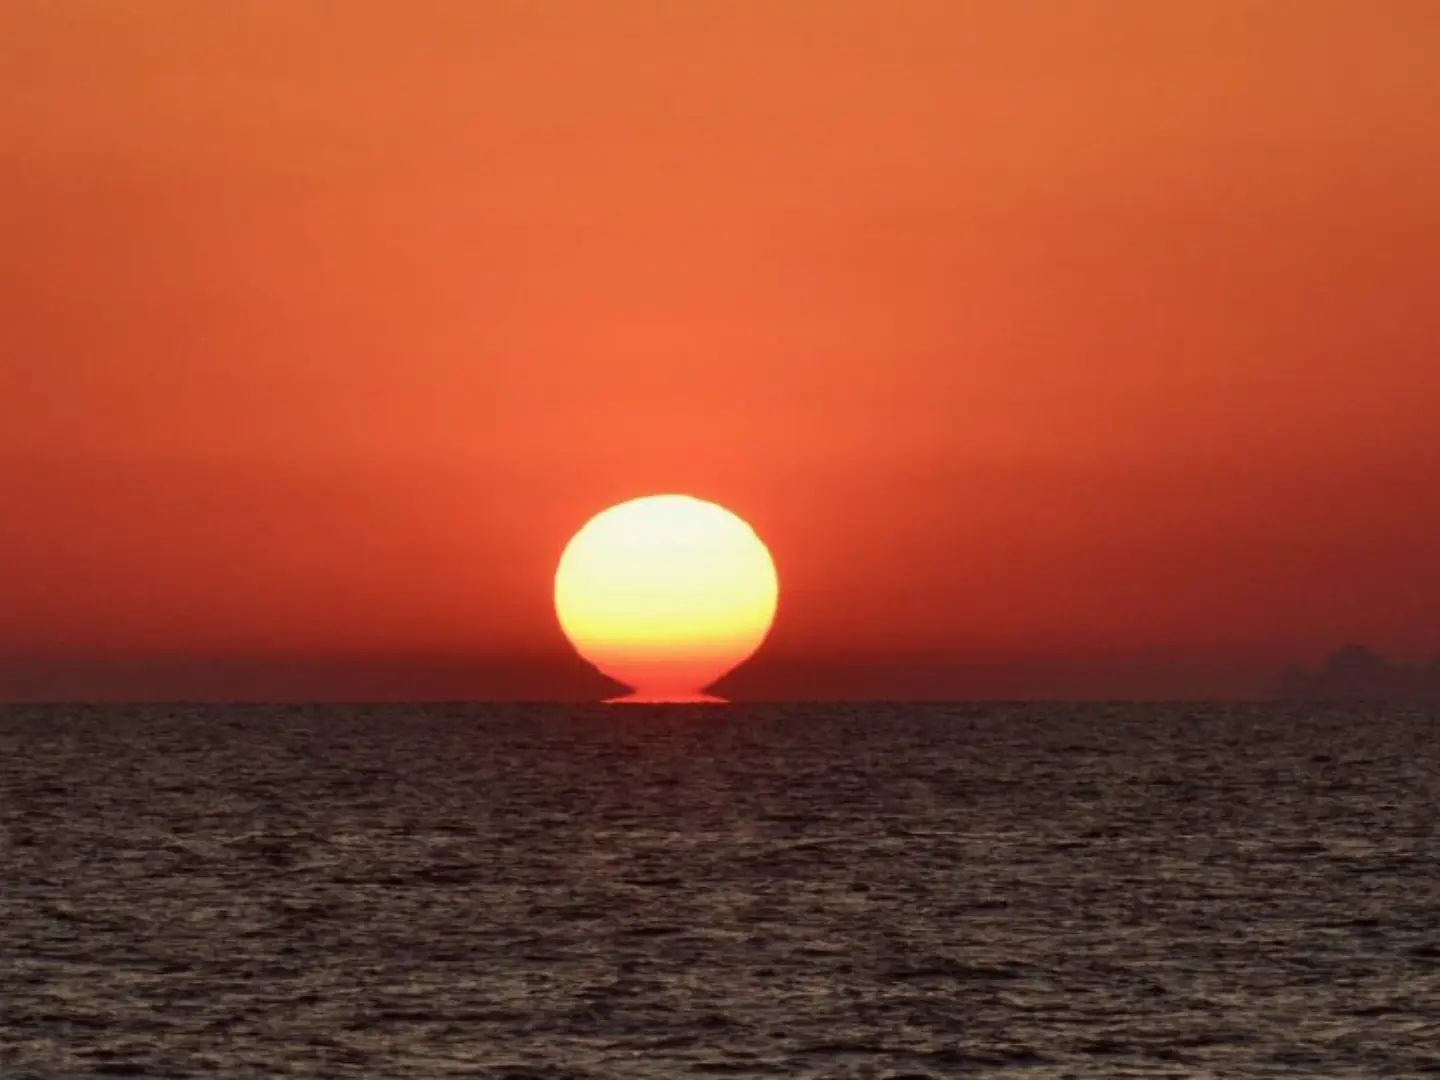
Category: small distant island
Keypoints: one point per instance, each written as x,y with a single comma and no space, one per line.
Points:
1356,673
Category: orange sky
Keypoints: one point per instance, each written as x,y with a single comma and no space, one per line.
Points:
1061,348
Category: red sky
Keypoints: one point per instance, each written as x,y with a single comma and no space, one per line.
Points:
1066,348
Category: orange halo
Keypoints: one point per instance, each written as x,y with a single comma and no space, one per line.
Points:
666,594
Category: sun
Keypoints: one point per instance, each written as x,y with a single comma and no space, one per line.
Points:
666,594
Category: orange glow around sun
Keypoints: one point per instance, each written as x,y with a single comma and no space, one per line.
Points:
666,594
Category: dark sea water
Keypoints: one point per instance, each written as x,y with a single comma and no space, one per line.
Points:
864,891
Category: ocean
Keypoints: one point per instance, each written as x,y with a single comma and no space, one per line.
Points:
550,892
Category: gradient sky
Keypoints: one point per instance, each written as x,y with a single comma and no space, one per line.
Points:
1054,348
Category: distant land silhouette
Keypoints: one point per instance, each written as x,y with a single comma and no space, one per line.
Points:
1355,673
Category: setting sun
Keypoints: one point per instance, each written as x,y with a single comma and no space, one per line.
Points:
666,594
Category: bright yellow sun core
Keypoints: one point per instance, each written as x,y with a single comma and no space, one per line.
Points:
666,594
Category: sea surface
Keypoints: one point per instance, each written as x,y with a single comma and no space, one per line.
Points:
553,892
